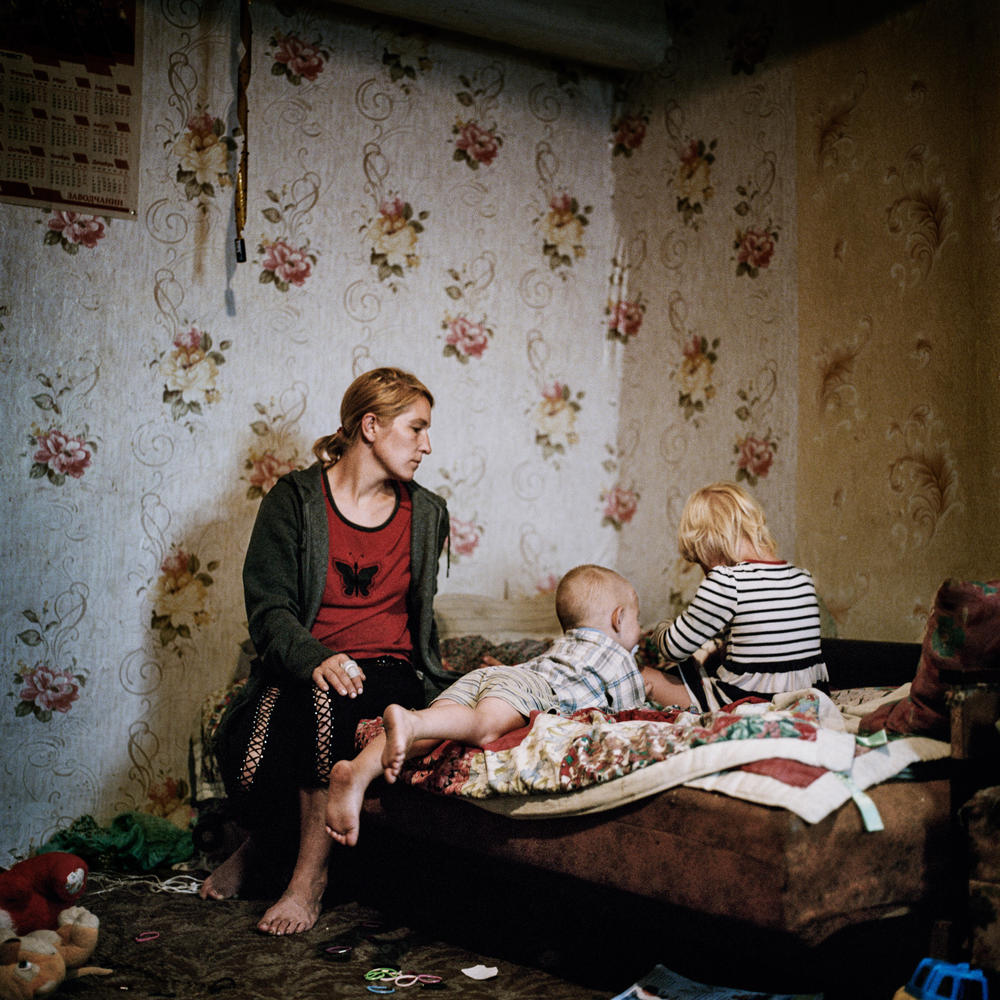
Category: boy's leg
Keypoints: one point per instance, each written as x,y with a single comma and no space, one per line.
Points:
409,733
348,781
412,733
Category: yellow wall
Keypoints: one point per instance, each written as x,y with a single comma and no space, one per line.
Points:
899,246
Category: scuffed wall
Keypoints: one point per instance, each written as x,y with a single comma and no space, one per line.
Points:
618,288
899,249
707,254
412,202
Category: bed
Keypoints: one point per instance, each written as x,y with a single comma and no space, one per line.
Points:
775,825
797,831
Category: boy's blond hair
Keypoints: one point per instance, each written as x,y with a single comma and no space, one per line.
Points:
715,521
586,592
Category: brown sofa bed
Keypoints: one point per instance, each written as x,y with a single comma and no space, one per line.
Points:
713,873
721,888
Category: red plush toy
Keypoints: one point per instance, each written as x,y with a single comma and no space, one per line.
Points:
34,892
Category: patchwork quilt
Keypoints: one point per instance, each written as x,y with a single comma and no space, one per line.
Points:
794,751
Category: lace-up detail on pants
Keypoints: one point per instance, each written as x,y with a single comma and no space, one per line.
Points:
323,710
287,737
258,737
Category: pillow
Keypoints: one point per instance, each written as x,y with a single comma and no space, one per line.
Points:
497,619
962,633
648,653
511,630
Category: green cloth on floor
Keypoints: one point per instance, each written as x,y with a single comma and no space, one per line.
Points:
134,841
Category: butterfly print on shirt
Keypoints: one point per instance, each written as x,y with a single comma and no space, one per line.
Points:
356,581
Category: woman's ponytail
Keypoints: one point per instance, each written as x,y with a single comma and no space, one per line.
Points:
330,448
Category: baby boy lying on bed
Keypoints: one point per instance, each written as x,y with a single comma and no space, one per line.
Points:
591,665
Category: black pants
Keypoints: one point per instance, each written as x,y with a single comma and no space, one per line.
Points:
289,736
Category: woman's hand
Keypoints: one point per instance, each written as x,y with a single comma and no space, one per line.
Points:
342,674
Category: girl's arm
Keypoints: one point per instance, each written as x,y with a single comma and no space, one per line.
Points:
665,689
707,616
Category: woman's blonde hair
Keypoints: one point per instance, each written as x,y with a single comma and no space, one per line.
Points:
384,392
716,520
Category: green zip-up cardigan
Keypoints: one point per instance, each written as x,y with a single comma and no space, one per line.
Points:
284,575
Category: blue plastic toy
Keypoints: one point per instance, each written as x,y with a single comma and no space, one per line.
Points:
934,979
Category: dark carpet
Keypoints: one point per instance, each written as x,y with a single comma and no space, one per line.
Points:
430,915
426,911
164,944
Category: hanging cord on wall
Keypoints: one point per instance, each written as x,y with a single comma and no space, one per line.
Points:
243,82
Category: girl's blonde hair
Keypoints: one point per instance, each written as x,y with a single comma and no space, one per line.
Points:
715,521
384,392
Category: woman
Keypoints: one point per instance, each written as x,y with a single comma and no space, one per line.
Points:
339,579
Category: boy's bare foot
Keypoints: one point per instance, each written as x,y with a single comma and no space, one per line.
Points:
226,880
292,914
399,736
343,805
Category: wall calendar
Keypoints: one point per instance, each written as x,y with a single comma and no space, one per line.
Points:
70,104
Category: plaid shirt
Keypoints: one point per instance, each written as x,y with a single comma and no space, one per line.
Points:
588,669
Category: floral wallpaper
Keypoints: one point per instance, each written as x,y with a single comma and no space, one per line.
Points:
899,319
761,261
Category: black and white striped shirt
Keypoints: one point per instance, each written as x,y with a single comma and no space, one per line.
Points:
768,615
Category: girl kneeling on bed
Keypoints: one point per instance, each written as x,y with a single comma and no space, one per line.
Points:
592,665
762,608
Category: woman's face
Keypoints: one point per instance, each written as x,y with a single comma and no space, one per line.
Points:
400,444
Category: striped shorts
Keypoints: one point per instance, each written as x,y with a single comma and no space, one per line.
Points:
524,690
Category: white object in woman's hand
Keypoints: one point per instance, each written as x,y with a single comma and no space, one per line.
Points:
342,674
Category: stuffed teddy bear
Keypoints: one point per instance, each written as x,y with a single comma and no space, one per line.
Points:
34,892
35,964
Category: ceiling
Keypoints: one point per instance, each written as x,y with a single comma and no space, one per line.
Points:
617,34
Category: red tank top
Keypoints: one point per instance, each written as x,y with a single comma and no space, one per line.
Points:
367,579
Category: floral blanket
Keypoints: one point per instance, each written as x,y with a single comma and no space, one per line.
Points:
593,760
555,753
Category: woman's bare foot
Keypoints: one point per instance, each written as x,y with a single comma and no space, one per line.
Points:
399,737
293,913
226,880
301,903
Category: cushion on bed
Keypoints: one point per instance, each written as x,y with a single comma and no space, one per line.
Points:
962,633
497,619
473,626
